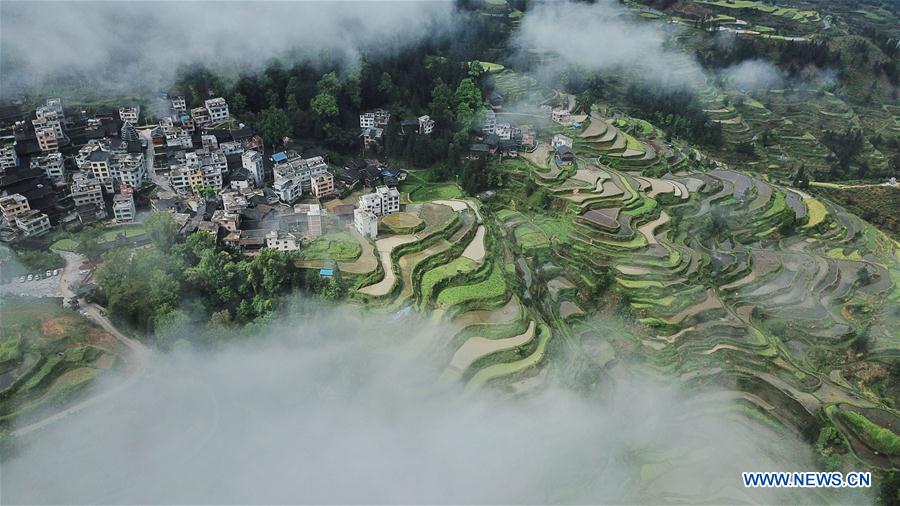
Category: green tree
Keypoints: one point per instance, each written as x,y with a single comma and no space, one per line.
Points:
274,125
325,103
441,107
468,100
89,243
161,228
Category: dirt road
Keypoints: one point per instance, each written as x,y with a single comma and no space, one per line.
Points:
137,356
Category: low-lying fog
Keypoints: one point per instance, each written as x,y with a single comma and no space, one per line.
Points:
337,407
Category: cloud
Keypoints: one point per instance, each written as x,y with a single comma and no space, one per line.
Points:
605,36
338,406
754,75
136,46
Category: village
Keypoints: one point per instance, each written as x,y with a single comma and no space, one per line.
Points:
63,170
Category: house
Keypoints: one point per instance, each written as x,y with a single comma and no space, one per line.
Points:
490,122
231,148
366,223
47,125
86,189
527,136
12,206
130,113
560,116
378,118
129,169
252,161
564,155
209,142
179,105
371,137
33,223
293,176
479,150
234,202
370,202
323,184
51,164
100,164
8,158
217,109
201,116
230,221
282,241
426,125
123,207
561,140
503,131
390,199
185,178
47,138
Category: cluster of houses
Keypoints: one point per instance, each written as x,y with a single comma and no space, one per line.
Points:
501,137
372,125
208,171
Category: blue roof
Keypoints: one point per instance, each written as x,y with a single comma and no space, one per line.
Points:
279,156
326,272
185,117
576,125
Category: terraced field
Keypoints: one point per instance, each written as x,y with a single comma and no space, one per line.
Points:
48,354
730,278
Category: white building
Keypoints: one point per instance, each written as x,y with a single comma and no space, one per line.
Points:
123,207
179,105
282,241
200,116
130,113
231,148
561,140
47,138
426,125
560,116
51,164
129,169
100,165
209,142
381,203
86,189
366,223
293,177
490,122
185,178
33,223
217,109
252,162
8,157
370,202
503,131
378,118
390,199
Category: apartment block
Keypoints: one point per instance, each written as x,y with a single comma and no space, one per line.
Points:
123,207
33,223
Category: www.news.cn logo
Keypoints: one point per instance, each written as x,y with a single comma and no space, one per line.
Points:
809,479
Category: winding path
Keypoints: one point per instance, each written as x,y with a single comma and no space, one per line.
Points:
137,355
